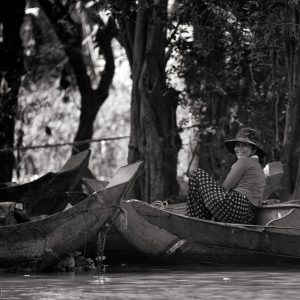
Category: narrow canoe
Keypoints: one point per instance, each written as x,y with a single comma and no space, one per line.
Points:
45,194
175,238
41,243
116,247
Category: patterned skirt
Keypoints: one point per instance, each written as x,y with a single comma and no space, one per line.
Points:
208,200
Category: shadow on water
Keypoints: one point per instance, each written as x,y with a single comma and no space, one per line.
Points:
157,282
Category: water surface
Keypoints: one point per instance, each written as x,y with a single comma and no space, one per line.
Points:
144,282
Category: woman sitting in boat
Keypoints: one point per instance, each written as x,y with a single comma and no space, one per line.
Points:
242,190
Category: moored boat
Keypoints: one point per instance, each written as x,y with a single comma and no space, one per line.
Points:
175,238
41,243
117,249
45,194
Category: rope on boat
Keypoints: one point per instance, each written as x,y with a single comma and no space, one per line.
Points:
160,204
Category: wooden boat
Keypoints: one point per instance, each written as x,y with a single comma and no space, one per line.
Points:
172,237
45,194
41,243
117,248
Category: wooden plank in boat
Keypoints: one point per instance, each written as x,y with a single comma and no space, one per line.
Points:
273,173
94,185
289,223
76,160
126,176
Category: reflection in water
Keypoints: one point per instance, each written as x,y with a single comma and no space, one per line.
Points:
157,283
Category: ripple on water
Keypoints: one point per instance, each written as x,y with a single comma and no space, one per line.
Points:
161,283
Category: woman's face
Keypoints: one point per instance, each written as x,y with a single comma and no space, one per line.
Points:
243,149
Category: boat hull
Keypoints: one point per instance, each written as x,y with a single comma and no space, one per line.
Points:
175,238
42,243
49,193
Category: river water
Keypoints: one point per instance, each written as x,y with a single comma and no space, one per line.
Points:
161,282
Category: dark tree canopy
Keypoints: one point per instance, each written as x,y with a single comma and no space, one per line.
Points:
238,61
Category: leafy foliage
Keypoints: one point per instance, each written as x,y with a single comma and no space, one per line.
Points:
227,61
230,57
49,108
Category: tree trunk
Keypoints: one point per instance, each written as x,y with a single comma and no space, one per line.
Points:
71,38
289,157
153,136
11,70
294,158
91,100
291,142
296,193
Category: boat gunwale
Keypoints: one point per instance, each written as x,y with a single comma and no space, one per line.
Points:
243,227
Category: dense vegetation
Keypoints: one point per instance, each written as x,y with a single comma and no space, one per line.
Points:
228,63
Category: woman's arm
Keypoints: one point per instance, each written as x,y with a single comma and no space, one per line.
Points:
237,171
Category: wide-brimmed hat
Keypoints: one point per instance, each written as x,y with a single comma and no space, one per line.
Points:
250,136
